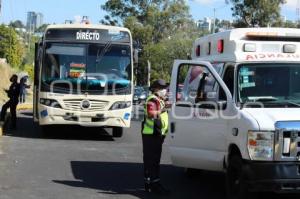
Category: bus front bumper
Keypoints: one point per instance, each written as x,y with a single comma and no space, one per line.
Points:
115,118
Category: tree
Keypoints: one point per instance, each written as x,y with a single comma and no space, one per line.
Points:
262,13
121,9
10,46
225,24
162,30
29,55
17,24
42,28
289,24
160,17
162,55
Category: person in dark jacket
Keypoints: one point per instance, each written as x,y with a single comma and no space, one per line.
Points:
13,94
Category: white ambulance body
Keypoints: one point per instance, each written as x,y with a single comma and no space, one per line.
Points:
248,123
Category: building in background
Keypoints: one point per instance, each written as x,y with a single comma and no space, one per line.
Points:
34,21
205,24
0,7
39,20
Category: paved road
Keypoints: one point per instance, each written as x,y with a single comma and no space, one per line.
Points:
87,163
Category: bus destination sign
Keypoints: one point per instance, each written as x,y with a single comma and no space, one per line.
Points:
87,35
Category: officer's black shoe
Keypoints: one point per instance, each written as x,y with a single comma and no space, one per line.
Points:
157,188
13,128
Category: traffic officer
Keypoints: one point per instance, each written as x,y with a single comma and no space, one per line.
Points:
13,94
154,130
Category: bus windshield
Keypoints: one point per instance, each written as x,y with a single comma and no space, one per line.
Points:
88,68
270,84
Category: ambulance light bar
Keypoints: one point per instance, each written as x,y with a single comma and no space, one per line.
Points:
289,48
248,47
261,34
273,36
220,46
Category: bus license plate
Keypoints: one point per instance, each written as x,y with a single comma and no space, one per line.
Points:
85,119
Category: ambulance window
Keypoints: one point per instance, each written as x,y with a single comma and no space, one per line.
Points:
218,67
272,84
195,84
229,81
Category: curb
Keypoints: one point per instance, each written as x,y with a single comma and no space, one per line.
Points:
24,107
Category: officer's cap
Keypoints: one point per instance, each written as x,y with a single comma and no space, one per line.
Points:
159,84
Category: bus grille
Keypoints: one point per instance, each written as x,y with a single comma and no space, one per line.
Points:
287,141
75,105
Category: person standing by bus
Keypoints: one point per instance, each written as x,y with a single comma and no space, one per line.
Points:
23,87
154,130
13,94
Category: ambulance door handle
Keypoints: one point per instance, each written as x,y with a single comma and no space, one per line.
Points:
172,127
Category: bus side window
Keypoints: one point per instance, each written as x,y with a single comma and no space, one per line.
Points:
229,81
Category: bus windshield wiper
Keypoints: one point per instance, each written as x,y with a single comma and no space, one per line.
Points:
251,101
293,103
262,99
283,103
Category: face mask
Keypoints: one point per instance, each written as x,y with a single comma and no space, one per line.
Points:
162,93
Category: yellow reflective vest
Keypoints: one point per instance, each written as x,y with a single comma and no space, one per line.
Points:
148,127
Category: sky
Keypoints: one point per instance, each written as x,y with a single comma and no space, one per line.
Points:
57,11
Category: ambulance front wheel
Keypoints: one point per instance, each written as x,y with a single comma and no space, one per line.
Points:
117,132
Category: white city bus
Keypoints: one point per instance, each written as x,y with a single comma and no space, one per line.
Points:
83,76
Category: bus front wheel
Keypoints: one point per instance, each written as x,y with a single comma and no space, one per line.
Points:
47,130
117,132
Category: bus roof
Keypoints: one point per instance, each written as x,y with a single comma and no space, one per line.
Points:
249,45
86,26
87,33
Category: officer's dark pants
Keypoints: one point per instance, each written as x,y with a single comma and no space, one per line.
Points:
12,105
152,147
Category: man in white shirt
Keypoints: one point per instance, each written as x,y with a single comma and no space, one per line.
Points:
191,84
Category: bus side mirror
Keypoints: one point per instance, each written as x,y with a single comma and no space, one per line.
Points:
36,64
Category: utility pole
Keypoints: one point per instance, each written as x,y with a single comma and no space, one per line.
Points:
298,12
1,8
215,10
29,37
10,43
214,22
149,71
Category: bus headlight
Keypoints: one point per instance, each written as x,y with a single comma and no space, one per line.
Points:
261,145
50,102
120,105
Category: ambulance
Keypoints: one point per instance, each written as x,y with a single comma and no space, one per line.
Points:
239,111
